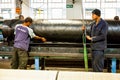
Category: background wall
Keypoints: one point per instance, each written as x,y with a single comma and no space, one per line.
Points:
26,8
75,12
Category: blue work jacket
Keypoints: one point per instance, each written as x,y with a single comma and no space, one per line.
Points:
99,35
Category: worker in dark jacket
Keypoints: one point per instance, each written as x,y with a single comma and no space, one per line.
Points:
98,38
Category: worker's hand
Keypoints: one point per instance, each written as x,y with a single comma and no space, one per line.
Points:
83,28
88,37
43,39
0,27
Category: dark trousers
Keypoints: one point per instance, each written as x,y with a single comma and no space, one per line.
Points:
19,59
98,60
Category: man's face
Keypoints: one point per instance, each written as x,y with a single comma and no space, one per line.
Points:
21,18
28,24
94,16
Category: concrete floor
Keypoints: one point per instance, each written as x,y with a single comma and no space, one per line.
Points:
5,64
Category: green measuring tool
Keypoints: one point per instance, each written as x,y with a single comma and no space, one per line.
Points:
85,51
84,40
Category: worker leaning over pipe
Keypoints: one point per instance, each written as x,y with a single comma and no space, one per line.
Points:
98,38
21,44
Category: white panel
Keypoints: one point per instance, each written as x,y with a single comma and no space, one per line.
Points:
26,8
75,12
10,74
67,75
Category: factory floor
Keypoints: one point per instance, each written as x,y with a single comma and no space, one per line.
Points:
5,64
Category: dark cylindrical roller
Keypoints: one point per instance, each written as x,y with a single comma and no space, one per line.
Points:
69,30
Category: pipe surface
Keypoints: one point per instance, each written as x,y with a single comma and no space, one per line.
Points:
64,30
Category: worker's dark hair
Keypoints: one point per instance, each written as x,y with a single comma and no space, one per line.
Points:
96,12
116,18
20,16
28,19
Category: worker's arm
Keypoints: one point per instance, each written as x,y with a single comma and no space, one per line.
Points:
41,38
32,35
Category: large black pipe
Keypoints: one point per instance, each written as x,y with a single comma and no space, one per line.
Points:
65,30
69,31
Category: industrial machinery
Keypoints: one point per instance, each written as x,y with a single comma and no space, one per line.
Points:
63,36
63,30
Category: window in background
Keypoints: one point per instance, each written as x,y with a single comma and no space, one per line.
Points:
90,0
110,0
108,15
7,9
48,9
88,13
118,11
106,7
6,13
